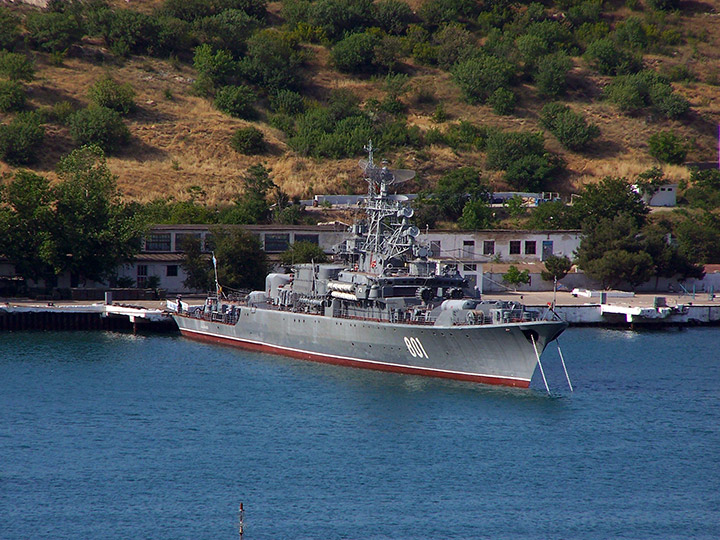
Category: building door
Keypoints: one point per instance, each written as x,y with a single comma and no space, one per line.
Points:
547,249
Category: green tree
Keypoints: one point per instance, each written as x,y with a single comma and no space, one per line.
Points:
393,16
272,60
238,101
553,215
703,191
607,199
9,31
608,59
476,214
51,31
479,78
197,266
570,128
16,67
21,139
552,73
252,206
107,92
303,252
667,147
241,261
248,140
355,53
101,126
94,231
455,189
516,277
26,216
556,268
217,66
12,96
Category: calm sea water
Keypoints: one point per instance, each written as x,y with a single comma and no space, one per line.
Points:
114,436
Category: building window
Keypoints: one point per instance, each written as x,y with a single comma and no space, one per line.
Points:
489,247
182,238
172,270
514,247
530,247
275,243
435,248
311,238
142,275
470,267
158,242
468,247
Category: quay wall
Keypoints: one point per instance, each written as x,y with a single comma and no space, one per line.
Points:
61,320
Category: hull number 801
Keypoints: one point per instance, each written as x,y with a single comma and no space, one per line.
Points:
415,347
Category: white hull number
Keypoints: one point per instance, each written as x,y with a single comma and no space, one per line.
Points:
415,347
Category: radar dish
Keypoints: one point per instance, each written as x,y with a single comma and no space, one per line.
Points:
391,176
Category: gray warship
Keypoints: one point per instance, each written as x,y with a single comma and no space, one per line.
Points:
384,303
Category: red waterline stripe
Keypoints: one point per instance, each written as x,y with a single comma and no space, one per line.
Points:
327,359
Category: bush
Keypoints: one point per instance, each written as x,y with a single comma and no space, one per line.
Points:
16,67
287,102
570,128
51,31
9,32
341,17
355,54
604,56
107,92
12,96
531,172
249,141
634,92
20,140
466,136
272,60
551,75
478,78
503,101
127,31
631,33
505,148
101,126
215,66
393,16
667,147
236,101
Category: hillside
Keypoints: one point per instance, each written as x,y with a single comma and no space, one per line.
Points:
180,141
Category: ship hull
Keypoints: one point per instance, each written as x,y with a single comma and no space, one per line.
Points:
501,354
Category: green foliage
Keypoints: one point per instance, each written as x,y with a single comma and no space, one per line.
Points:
552,72
556,268
476,215
478,78
704,189
51,31
249,141
632,93
664,5
189,10
454,191
452,43
107,92
631,33
437,12
523,157
553,215
466,136
698,237
199,272
341,17
101,126
12,96
667,147
303,252
393,16
9,31
570,128
228,30
241,261
503,101
287,102
604,56
127,31
218,67
272,60
20,140
252,206
515,277
355,53
16,67
238,101
607,199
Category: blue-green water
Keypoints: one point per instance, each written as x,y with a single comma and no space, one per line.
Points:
116,436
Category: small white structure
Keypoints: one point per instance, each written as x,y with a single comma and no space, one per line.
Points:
665,195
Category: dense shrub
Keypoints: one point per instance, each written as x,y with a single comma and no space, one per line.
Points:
452,43
101,126
631,33
552,72
272,60
631,93
9,31
228,30
16,67
531,49
190,10
341,17
466,136
554,34
51,31
12,96
238,101
248,140
608,59
107,92
287,102
570,128
478,78
216,66
20,140
355,53
127,31
437,12
393,16
523,157
667,147
664,5
503,101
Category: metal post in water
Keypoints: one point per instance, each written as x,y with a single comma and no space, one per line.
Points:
241,521
563,365
537,355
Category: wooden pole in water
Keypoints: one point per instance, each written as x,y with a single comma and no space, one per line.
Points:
241,521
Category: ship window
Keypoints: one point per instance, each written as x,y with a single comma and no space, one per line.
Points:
530,247
514,247
489,247
157,242
276,242
311,238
